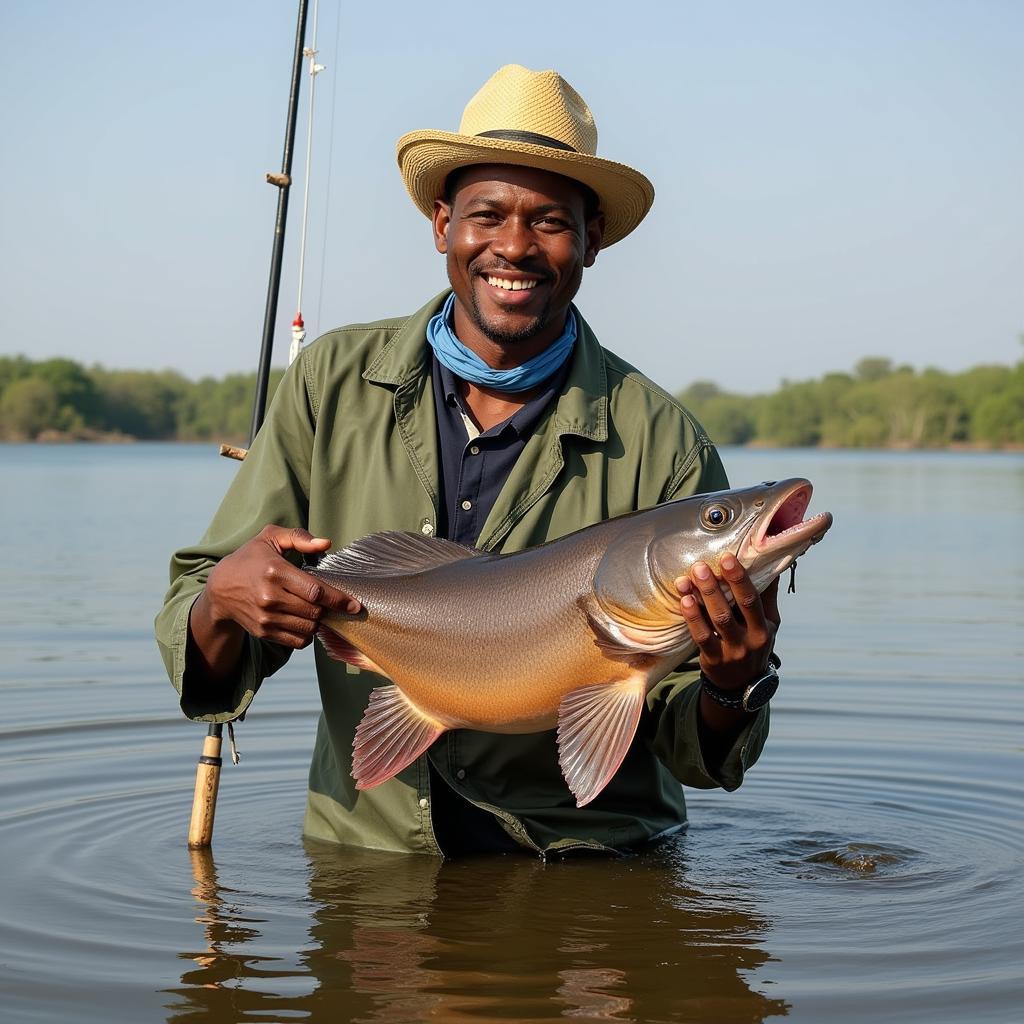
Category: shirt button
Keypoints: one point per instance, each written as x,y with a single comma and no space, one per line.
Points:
475,450
427,528
461,773
467,505
424,802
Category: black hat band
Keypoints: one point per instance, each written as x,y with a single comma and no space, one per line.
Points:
511,135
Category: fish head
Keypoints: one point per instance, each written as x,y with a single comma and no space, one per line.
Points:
762,526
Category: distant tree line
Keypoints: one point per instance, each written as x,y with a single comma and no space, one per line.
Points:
878,405
61,399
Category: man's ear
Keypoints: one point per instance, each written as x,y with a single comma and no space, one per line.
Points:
441,219
593,237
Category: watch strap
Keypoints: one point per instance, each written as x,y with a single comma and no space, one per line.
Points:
737,700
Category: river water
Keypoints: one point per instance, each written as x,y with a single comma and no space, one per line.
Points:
869,868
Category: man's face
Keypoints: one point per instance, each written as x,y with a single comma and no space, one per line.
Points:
516,242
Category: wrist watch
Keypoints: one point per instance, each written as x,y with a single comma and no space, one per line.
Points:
753,696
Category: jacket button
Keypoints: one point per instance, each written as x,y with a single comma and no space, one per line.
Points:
427,528
424,803
467,505
460,774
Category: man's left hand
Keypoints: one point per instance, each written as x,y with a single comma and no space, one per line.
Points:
734,638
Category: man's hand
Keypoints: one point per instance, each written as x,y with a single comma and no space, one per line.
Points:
734,640
734,643
256,590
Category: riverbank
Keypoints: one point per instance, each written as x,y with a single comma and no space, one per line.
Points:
875,407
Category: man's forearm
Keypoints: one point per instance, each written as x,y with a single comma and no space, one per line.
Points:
718,728
214,648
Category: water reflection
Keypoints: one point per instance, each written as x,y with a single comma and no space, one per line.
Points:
407,938
224,970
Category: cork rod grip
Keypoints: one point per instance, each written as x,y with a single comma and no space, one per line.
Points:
204,802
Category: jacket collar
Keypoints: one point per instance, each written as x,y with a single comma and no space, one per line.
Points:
582,406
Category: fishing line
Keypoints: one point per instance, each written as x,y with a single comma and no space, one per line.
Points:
330,166
298,326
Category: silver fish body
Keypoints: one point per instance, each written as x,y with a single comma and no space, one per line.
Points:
571,633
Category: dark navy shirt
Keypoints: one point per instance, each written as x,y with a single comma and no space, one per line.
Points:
473,471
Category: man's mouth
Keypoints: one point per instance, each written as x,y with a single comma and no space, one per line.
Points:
508,285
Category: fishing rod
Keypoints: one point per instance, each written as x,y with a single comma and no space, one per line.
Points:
204,801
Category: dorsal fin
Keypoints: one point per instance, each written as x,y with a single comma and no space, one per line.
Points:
393,554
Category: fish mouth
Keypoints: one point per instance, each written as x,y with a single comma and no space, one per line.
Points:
780,535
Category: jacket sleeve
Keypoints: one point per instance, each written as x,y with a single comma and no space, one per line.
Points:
271,486
672,723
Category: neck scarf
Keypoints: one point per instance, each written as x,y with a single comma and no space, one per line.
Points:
465,363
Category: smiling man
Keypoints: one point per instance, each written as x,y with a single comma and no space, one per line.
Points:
492,417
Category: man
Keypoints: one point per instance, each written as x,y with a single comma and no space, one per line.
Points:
492,417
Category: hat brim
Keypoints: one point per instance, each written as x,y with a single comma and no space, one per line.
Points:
426,158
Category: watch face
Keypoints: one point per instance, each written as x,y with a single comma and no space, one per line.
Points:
760,692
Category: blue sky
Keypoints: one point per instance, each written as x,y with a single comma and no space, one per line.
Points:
834,180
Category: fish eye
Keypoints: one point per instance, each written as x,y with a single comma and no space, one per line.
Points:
715,516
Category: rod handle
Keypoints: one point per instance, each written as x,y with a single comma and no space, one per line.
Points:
230,451
204,801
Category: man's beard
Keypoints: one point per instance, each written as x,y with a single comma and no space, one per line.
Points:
500,337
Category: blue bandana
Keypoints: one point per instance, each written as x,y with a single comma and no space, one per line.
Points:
465,363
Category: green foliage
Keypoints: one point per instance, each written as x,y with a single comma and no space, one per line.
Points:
60,397
898,410
28,406
13,368
879,405
221,410
793,416
142,405
75,390
728,419
999,419
873,368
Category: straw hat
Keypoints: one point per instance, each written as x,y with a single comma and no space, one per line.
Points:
530,119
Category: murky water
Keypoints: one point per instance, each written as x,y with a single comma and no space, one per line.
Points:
869,869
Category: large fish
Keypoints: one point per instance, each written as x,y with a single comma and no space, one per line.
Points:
572,633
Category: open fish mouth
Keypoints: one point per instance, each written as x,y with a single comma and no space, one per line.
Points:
781,530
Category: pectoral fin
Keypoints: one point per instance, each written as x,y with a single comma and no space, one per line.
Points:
596,725
392,734
635,644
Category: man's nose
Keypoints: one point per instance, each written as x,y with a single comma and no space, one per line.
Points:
514,241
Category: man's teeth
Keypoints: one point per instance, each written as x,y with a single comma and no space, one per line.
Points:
510,286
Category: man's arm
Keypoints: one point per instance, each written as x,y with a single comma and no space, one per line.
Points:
256,591
237,605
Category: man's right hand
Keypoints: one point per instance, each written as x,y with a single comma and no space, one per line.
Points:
256,590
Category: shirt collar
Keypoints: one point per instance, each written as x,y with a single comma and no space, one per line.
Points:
582,405
523,420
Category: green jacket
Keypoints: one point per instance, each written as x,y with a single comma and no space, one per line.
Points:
350,447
